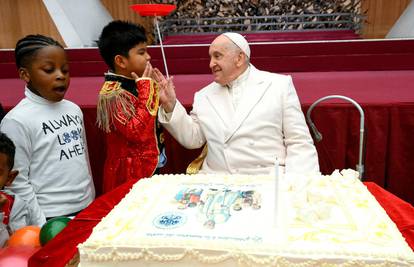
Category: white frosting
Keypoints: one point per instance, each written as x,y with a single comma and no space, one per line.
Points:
322,220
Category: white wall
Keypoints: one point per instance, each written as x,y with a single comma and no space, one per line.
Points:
404,27
79,22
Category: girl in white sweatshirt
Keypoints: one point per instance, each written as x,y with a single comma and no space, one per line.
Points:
49,134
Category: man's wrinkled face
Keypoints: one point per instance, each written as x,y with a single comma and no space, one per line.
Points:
223,60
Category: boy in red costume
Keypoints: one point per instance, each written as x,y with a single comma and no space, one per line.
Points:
128,106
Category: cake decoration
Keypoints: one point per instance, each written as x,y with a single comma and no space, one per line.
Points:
216,205
170,220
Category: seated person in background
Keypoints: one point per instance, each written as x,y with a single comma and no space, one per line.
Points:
2,113
248,118
128,106
16,212
49,134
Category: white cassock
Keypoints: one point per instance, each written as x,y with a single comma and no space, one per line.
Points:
247,127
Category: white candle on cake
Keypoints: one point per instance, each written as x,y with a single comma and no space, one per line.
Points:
276,194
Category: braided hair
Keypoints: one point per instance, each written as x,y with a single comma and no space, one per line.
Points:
8,148
27,47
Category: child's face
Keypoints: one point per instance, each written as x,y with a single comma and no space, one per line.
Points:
6,175
48,73
137,59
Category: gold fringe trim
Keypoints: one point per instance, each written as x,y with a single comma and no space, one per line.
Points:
195,166
114,103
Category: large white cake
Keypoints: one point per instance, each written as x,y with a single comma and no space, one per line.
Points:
219,220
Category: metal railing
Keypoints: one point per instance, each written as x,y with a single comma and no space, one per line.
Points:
277,23
318,136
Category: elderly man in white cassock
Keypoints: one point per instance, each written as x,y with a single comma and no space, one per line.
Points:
249,119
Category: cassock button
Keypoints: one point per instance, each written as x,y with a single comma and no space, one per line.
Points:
226,145
251,142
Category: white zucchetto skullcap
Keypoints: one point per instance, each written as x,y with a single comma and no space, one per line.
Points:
240,41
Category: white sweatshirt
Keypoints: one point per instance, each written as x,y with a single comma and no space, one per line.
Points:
51,156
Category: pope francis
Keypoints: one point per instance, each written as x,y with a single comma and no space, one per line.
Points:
248,118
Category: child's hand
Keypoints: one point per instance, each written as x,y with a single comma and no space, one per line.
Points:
134,76
147,72
167,90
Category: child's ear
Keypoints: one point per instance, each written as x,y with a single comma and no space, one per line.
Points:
120,61
10,178
24,74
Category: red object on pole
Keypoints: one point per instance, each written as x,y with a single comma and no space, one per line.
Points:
153,9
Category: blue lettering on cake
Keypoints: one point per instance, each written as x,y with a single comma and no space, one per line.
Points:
170,220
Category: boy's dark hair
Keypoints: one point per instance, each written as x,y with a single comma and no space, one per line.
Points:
8,148
117,38
27,47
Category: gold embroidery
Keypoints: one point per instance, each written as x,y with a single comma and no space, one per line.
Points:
153,98
162,138
109,87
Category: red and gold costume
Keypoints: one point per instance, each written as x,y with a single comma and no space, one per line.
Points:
127,112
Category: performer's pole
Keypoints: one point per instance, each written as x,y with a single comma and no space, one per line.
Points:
155,10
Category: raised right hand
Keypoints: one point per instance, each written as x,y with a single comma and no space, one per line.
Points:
167,90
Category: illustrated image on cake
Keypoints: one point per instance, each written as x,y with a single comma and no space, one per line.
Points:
228,220
216,205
